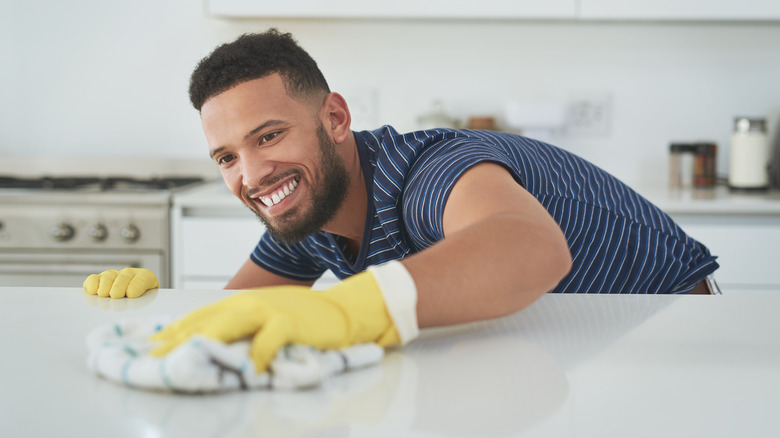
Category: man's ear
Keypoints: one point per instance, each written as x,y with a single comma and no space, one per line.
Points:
335,117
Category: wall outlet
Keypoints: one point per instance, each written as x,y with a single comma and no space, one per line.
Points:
589,115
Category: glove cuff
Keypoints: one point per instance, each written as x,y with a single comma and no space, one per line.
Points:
400,295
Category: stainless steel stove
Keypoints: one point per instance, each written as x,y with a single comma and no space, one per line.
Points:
55,230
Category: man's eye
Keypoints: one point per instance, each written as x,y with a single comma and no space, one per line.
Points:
225,159
268,137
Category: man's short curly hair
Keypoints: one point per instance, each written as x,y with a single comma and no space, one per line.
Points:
253,56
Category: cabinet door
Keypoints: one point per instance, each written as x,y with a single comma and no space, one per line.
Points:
213,248
209,249
680,9
746,247
464,9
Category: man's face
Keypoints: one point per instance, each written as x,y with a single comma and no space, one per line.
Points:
275,155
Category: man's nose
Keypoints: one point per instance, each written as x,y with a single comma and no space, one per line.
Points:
255,169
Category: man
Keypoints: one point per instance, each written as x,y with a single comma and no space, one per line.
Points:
429,228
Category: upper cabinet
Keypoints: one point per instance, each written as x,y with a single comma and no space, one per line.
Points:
429,9
647,10
662,10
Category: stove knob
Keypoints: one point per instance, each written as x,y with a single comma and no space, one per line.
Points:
130,233
62,232
98,232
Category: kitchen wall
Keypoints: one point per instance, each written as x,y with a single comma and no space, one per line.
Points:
89,77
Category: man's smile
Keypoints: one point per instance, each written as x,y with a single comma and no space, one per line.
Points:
278,194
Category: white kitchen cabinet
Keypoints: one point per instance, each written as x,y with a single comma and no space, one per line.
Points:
660,10
746,246
629,10
742,230
461,9
211,248
212,236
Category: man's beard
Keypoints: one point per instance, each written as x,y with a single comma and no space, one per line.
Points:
327,196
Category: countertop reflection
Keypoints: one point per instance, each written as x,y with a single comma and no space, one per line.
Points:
581,365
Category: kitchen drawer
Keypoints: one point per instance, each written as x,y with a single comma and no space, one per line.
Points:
746,247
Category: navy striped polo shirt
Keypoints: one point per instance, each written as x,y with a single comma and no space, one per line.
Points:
619,241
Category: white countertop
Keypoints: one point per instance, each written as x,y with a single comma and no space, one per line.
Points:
700,201
719,200
569,365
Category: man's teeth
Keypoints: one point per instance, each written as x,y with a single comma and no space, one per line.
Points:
279,195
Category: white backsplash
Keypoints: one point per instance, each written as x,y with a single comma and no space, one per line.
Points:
109,79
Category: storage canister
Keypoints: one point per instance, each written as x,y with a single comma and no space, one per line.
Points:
749,157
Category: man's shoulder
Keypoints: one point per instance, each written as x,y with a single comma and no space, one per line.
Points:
388,139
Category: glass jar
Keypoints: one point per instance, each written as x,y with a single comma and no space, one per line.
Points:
681,165
704,165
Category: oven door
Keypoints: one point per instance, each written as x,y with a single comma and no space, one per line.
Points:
70,268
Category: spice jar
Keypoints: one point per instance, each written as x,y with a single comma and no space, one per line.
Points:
704,165
681,165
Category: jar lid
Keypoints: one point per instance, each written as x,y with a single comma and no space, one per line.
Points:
749,124
681,148
706,148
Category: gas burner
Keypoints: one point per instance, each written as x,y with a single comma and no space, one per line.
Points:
97,183
167,183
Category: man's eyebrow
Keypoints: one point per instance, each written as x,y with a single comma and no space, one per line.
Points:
263,126
216,151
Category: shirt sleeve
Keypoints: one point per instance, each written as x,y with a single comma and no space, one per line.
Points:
288,260
431,180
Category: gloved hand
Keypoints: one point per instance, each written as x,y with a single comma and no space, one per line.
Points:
352,312
129,282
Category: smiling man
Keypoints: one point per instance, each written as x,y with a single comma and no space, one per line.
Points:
246,123
426,229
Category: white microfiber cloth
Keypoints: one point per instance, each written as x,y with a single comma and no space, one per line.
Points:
120,353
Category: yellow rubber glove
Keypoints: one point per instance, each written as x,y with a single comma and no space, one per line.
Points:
129,282
349,313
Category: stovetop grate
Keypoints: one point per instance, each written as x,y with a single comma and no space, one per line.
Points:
98,183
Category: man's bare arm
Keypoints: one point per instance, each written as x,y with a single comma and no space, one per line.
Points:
250,276
502,251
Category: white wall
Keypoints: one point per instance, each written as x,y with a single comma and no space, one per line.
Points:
91,77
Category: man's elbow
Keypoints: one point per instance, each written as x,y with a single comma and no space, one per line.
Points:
552,268
562,265
545,273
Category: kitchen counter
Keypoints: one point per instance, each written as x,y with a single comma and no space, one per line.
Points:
569,365
719,200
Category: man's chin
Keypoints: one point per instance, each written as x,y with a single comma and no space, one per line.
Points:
285,229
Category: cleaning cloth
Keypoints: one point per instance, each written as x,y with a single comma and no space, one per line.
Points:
120,353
